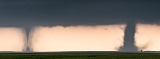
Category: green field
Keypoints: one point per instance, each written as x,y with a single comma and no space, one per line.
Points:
82,56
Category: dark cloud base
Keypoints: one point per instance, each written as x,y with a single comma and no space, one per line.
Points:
30,13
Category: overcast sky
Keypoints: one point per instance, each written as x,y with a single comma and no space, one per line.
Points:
28,13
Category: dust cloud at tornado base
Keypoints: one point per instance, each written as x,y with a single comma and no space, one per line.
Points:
12,39
77,38
147,37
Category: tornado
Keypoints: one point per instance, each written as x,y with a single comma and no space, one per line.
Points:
12,39
76,38
147,37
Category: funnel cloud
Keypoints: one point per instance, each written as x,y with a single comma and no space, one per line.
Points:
77,38
12,39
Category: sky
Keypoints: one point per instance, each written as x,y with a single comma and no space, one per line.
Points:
12,39
29,13
147,40
77,38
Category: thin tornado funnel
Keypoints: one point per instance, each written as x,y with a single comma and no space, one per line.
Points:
12,39
147,37
77,38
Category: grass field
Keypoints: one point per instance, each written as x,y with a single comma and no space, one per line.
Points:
79,56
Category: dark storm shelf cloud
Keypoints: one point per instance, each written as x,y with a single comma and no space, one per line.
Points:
33,12
27,23
28,2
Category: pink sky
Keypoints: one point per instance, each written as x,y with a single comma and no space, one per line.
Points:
147,37
12,39
77,38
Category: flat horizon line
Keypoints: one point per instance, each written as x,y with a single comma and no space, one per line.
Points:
79,52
